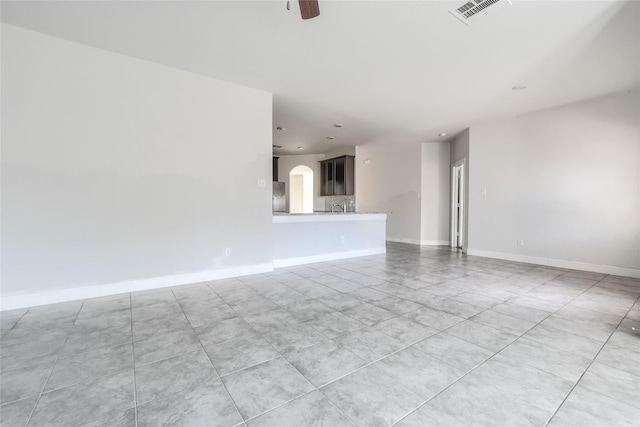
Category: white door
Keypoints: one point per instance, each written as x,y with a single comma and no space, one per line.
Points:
457,204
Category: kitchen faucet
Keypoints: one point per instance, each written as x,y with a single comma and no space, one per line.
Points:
344,208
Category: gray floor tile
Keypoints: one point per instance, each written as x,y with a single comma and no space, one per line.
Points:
565,365
369,314
369,344
160,326
397,305
627,336
434,318
563,340
405,330
371,397
91,364
457,308
334,324
81,341
503,322
584,407
154,296
207,404
454,351
308,309
368,294
406,295
325,362
501,392
241,353
16,414
612,382
312,409
162,310
83,403
522,312
20,352
428,416
168,376
108,320
265,386
162,347
225,330
340,302
592,329
482,335
210,315
620,358
419,372
24,382
291,337
119,419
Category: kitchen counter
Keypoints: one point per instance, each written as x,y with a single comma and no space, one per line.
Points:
325,236
282,217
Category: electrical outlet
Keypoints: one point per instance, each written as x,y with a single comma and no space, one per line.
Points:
484,191
520,242
262,183
341,239
227,251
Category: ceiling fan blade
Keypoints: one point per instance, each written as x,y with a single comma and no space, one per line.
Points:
309,8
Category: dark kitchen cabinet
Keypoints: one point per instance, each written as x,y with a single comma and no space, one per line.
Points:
337,176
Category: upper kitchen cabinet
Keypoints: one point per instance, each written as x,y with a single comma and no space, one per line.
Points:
336,176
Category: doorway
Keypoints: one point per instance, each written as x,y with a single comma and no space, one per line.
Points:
301,190
457,204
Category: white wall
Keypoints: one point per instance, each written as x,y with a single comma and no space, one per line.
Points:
566,181
304,239
390,183
460,151
120,171
435,193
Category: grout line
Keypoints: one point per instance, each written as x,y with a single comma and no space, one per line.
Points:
592,362
33,410
133,360
499,351
207,354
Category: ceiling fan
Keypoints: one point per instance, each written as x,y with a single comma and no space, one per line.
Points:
308,8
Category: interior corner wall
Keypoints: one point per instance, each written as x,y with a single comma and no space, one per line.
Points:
388,180
566,181
435,193
460,151
120,174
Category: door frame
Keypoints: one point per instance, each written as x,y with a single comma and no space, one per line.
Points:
457,193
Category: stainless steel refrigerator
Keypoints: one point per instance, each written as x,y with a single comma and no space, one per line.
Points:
278,200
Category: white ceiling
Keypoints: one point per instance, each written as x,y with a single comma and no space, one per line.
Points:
390,71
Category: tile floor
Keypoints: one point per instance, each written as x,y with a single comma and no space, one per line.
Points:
416,337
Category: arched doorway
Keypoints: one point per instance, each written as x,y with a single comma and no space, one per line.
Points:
301,190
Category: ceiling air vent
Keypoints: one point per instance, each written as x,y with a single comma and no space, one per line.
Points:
474,10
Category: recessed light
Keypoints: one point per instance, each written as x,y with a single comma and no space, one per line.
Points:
519,87
300,148
280,128
338,125
442,134
331,137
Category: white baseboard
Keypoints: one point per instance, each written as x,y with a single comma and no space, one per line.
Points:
419,242
434,243
403,240
572,265
288,262
9,302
